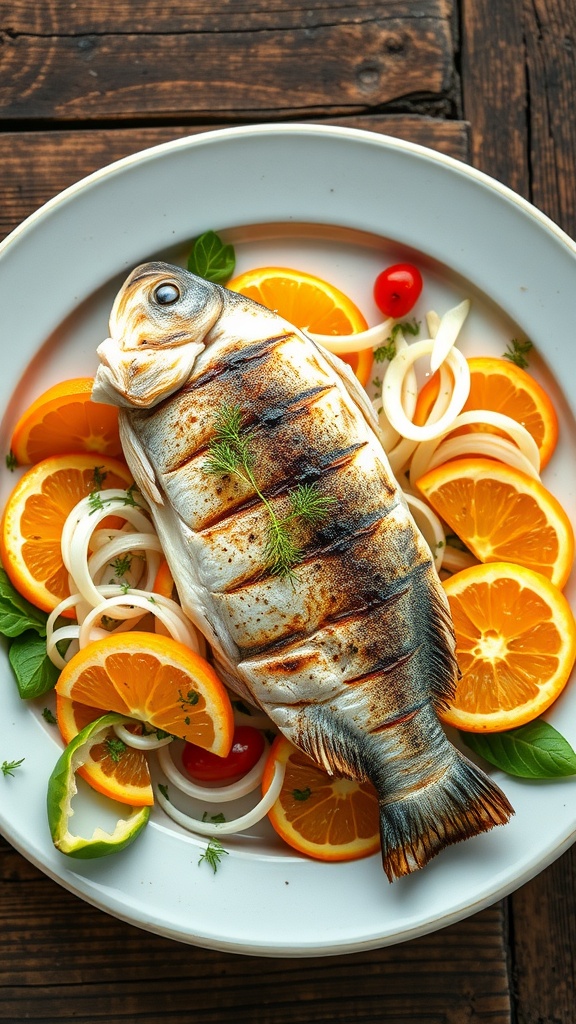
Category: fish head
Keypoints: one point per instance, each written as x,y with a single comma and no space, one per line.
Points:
158,325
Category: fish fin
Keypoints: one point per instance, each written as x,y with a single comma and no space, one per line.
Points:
460,804
139,463
444,671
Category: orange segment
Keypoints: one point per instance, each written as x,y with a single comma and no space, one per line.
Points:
515,643
501,386
502,514
310,303
326,817
64,419
35,514
154,679
117,771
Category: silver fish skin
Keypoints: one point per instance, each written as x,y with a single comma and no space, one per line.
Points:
352,655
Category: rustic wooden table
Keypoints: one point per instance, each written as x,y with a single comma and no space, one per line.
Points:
82,84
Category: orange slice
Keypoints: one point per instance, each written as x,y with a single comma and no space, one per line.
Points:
112,768
310,303
154,679
502,514
326,817
501,386
35,513
515,643
64,419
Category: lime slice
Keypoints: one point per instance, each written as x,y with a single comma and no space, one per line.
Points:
62,789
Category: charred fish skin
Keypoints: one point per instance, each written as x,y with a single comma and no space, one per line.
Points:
352,654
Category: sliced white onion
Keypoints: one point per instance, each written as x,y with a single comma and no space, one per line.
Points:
488,446
447,332
455,559
522,439
141,741
357,342
429,525
124,544
392,388
134,604
223,828
214,794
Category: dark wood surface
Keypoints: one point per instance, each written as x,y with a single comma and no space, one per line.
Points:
487,81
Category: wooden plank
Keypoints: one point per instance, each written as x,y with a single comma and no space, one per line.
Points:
339,61
494,89
550,39
38,165
107,970
544,923
91,17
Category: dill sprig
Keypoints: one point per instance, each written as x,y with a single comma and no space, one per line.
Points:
213,854
517,352
229,452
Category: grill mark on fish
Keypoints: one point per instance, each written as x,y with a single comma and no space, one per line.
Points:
402,718
343,619
327,541
237,359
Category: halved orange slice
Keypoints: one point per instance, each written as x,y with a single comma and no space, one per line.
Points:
502,514
35,514
515,644
326,817
65,419
156,680
309,303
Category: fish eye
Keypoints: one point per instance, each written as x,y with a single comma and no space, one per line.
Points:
166,294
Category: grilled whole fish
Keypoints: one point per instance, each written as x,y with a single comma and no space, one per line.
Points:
352,653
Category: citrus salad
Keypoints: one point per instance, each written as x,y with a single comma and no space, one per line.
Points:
94,614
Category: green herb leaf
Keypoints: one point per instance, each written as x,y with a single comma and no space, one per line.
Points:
9,767
533,751
164,790
211,258
35,673
49,716
11,461
17,615
517,352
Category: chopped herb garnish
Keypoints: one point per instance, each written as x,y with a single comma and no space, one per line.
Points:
229,452
115,748
213,854
49,716
164,790
99,475
214,817
9,767
517,352
388,351
302,794
11,461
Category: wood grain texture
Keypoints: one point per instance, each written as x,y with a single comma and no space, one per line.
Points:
61,959
38,165
68,62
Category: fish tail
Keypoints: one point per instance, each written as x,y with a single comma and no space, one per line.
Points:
460,804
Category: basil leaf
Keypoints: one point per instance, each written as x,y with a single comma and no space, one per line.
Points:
17,615
211,259
533,751
35,673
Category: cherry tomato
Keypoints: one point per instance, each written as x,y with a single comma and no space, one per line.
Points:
397,289
247,747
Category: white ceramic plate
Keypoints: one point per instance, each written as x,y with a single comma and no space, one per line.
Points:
343,203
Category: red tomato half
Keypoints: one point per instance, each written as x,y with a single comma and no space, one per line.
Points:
247,747
397,289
